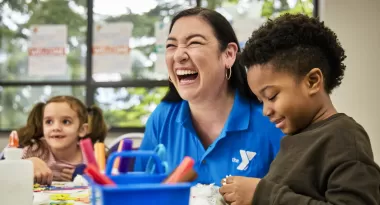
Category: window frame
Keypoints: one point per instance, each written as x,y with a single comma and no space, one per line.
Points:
91,85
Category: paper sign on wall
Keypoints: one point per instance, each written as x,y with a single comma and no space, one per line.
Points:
111,51
47,50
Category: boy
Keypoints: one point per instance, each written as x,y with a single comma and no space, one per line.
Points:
294,62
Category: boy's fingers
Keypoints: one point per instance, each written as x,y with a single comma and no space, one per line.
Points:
230,180
229,197
226,189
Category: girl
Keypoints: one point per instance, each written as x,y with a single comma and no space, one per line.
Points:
50,137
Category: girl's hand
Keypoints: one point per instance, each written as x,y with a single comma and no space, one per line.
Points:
67,174
42,173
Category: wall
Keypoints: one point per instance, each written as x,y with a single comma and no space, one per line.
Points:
357,26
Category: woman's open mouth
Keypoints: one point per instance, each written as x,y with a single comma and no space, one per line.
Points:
186,76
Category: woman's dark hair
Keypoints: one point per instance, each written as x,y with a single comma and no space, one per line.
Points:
225,34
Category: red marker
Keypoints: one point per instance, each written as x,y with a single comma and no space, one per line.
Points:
88,152
98,177
181,172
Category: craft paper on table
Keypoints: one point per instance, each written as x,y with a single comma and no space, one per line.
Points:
111,49
47,50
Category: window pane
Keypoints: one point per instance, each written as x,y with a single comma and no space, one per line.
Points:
247,15
147,57
16,102
151,18
17,19
128,107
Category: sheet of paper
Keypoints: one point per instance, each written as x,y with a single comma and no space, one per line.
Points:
111,50
47,50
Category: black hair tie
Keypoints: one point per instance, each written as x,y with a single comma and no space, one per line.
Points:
89,110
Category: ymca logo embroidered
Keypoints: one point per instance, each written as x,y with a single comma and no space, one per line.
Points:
246,157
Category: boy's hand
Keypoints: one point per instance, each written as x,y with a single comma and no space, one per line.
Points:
239,190
67,174
42,173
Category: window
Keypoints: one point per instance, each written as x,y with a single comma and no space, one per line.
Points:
128,87
17,101
128,106
20,88
18,18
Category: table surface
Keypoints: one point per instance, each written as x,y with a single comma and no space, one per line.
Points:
198,191
44,197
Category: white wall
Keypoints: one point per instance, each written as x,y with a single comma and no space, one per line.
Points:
357,24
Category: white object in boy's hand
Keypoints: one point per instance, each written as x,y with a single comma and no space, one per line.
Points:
225,179
206,195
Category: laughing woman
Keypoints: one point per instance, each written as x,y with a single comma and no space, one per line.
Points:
209,113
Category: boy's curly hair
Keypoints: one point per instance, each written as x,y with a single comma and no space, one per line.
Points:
297,43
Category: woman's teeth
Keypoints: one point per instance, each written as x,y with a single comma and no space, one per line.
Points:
186,72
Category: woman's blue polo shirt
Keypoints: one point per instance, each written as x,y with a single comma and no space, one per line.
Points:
246,146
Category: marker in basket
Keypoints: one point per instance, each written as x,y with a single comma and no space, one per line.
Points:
183,173
92,171
115,169
188,176
100,155
124,162
88,152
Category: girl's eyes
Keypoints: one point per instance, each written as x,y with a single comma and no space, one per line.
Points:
66,122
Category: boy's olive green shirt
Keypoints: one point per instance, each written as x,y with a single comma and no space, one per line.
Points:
330,162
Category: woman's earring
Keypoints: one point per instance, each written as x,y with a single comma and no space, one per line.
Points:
228,73
170,80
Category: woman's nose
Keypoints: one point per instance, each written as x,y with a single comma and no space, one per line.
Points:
180,55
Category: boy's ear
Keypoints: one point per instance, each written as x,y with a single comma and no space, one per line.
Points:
83,130
314,81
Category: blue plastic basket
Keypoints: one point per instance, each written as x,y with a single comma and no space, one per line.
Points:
139,188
